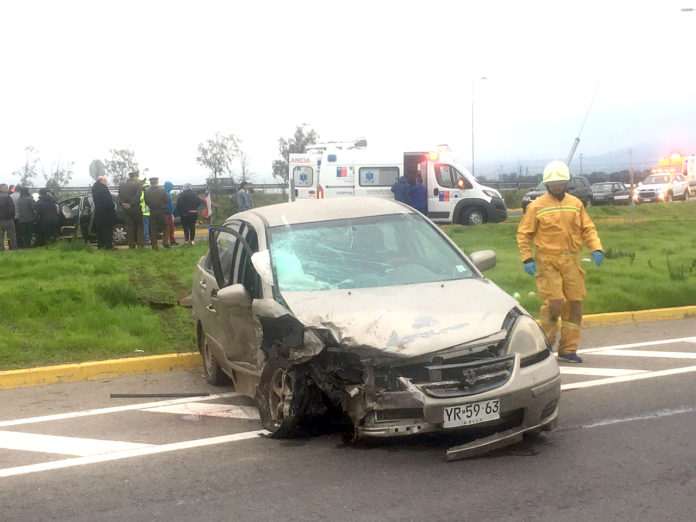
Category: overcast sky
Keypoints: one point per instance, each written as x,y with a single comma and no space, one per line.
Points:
79,78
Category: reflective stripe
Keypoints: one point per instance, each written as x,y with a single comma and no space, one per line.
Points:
572,326
558,209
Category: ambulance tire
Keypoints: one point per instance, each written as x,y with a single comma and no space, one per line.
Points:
473,216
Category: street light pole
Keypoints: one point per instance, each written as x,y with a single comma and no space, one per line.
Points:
472,125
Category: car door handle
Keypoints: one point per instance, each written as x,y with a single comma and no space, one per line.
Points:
211,309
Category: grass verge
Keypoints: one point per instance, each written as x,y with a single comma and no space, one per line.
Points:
71,303
650,258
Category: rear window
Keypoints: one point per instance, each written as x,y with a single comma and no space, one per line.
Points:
378,176
303,176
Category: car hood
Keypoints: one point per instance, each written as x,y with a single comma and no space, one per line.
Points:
654,186
406,320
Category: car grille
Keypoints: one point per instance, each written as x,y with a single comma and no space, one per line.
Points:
460,380
646,193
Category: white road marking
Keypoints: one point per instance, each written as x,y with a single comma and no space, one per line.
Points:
627,378
637,345
602,372
63,445
649,353
210,410
139,452
654,415
114,409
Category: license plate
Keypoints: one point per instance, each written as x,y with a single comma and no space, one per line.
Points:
472,413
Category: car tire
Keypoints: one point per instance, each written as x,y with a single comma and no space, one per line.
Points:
686,195
211,368
587,203
669,197
282,399
119,235
473,216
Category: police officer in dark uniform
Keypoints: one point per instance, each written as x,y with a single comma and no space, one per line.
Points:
157,199
129,193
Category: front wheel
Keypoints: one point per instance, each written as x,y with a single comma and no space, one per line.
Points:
282,399
473,216
686,195
668,197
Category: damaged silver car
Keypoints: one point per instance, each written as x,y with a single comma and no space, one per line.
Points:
364,306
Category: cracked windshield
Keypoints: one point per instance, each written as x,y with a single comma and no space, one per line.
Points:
362,253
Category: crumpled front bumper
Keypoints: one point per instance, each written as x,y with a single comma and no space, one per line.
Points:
528,401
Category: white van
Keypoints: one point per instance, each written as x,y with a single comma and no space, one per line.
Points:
454,195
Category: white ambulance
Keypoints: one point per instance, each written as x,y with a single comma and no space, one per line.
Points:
350,169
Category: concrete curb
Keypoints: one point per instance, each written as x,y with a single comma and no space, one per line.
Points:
638,316
97,369
178,361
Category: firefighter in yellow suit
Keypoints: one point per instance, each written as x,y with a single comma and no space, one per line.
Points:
557,224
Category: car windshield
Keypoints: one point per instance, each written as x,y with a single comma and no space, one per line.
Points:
656,179
363,253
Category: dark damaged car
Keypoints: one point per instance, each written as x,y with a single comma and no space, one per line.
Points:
362,305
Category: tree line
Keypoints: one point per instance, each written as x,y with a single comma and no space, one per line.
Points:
223,156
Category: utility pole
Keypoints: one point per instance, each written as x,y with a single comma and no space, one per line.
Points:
581,155
630,170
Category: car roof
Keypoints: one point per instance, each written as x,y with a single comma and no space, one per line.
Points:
312,210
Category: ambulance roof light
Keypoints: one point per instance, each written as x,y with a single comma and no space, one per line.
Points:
433,155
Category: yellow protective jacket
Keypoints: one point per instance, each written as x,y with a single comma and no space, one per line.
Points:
556,227
143,205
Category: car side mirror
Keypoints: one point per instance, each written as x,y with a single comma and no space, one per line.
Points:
484,259
234,295
262,263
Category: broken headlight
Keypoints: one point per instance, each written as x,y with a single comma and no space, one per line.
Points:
527,339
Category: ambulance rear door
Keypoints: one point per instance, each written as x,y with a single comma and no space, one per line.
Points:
304,170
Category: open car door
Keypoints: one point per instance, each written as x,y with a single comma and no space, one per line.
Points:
230,295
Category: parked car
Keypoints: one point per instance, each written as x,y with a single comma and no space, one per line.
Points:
76,216
662,187
364,306
611,193
578,186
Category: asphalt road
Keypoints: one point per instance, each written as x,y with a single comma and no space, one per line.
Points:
624,450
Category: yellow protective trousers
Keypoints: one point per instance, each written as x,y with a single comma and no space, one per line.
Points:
561,284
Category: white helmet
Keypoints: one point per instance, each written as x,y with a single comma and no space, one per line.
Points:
556,171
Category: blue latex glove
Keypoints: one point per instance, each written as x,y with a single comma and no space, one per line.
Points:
530,268
597,257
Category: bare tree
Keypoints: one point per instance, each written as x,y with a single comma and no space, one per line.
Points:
30,170
295,144
58,177
244,173
122,162
217,155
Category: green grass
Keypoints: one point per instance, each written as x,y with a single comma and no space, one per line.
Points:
71,303
67,303
650,258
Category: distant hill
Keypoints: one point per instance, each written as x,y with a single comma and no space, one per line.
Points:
642,156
